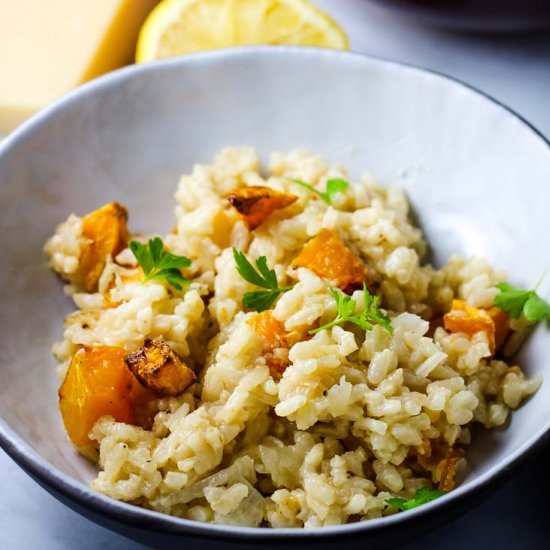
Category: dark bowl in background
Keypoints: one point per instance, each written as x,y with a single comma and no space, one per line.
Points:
476,15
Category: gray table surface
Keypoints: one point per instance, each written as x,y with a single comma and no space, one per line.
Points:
516,71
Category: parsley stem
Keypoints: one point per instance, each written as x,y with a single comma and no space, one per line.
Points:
260,276
332,187
541,278
336,321
346,305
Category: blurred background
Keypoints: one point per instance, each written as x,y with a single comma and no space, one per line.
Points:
501,47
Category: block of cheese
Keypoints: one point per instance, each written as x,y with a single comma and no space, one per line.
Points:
47,47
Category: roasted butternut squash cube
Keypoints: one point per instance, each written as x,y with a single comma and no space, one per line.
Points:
107,232
257,202
329,258
501,320
275,337
98,383
469,320
273,331
134,277
160,369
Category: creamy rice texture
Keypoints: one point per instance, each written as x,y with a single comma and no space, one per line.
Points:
341,431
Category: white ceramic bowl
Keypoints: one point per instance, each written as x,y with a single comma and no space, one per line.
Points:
478,177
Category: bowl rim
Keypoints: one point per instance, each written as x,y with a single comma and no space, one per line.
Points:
62,484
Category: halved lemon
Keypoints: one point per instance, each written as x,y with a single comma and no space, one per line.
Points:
177,27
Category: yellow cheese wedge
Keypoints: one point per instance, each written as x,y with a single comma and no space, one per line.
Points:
48,47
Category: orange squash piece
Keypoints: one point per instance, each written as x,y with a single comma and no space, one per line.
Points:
98,383
257,202
501,320
329,258
273,331
469,320
275,336
133,278
108,234
157,366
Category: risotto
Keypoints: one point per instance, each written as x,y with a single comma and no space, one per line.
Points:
285,357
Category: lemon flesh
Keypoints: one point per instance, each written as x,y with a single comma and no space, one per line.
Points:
177,27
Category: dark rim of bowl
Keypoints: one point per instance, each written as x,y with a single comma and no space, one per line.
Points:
76,491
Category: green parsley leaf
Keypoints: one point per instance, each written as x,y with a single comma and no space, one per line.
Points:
260,300
143,256
156,246
261,276
171,261
517,301
336,185
536,309
269,275
333,186
158,263
246,269
345,307
422,496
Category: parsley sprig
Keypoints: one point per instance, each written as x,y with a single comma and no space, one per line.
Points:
517,301
266,278
345,305
157,263
422,496
333,186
